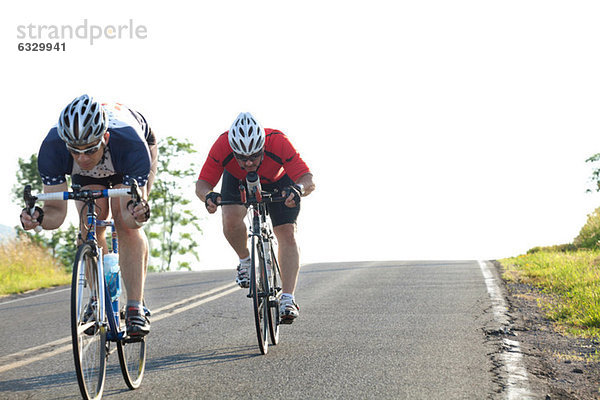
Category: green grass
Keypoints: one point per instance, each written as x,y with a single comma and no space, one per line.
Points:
26,266
570,281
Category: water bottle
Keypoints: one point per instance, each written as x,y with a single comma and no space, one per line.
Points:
112,275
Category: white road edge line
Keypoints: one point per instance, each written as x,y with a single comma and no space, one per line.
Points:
34,296
49,349
517,385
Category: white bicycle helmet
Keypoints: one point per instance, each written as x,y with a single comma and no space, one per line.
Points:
246,136
82,122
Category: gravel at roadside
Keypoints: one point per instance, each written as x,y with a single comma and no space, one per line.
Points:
564,367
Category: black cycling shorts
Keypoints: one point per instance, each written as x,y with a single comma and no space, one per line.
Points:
279,212
108,182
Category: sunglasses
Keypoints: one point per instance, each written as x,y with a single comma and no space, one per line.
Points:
251,157
88,151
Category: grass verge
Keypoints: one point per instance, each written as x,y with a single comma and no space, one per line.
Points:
571,281
25,266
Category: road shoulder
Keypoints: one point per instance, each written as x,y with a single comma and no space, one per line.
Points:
567,367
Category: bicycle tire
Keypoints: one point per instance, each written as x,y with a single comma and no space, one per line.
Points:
259,290
132,353
274,295
132,358
87,331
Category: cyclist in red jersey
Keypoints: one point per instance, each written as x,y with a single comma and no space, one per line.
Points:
247,147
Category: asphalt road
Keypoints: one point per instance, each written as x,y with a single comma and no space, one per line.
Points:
396,330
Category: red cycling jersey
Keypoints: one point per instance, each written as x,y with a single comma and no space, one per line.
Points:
280,158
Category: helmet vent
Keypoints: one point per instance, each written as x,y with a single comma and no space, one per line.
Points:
75,127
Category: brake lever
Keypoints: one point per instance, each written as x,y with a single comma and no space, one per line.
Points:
135,191
30,204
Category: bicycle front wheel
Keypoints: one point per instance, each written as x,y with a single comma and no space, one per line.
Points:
259,287
132,356
87,330
274,294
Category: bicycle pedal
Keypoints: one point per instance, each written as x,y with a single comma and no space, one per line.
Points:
273,303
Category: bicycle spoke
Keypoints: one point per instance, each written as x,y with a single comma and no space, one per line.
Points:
258,289
88,333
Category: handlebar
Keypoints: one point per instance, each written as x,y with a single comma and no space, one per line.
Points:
77,194
263,197
257,195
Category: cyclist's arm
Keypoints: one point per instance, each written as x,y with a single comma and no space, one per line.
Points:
55,211
202,189
306,181
154,156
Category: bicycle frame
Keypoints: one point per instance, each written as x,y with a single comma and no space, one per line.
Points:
105,305
89,291
265,275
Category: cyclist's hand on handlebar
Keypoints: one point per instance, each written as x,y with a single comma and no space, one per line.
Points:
293,196
140,211
212,201
29,221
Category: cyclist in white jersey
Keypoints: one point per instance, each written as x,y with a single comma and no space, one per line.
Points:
103,146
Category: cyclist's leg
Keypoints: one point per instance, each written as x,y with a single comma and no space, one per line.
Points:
284,227
234,228
133,260
236,234
133,253
289,263
289,256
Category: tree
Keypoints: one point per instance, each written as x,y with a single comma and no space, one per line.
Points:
595,173
27,174
62,241
172,226
589,235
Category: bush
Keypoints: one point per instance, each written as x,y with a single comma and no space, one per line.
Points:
589,236
25,266
561,248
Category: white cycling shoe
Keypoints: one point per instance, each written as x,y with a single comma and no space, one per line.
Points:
243,276
288,310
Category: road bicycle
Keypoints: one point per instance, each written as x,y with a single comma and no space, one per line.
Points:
96,319
265,275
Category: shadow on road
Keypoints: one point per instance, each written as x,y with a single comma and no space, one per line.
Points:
38,385
212,357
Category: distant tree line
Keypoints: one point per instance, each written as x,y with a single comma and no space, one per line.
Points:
172,228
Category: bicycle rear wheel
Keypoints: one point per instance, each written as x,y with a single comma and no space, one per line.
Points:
259,287
132,357
87,331
275,293
132,354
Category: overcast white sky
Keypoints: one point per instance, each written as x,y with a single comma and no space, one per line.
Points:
434,129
